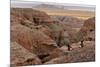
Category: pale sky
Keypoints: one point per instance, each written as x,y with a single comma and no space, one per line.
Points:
88,2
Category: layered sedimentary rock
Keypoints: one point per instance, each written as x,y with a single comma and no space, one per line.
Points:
32,39
41,37
21,56
19,15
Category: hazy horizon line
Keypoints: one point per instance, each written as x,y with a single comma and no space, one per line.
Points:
53,3
32,3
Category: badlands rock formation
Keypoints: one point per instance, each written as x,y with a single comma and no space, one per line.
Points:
37,38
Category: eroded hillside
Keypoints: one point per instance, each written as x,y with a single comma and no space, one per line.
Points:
37,38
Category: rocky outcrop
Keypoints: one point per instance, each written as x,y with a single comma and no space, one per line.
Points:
32,39
81,35
21,56
90,24
70,21
19,15
34,34
89,29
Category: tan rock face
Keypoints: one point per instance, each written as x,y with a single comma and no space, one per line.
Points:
32,36
89,29
20,55
19,15
33,40
86,31
90,24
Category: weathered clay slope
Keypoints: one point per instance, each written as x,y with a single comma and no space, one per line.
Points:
32,33
89,27
21,56
19,15
73,22
86,31
32,39
90,24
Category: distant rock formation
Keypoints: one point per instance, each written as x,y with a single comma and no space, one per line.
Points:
70,21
